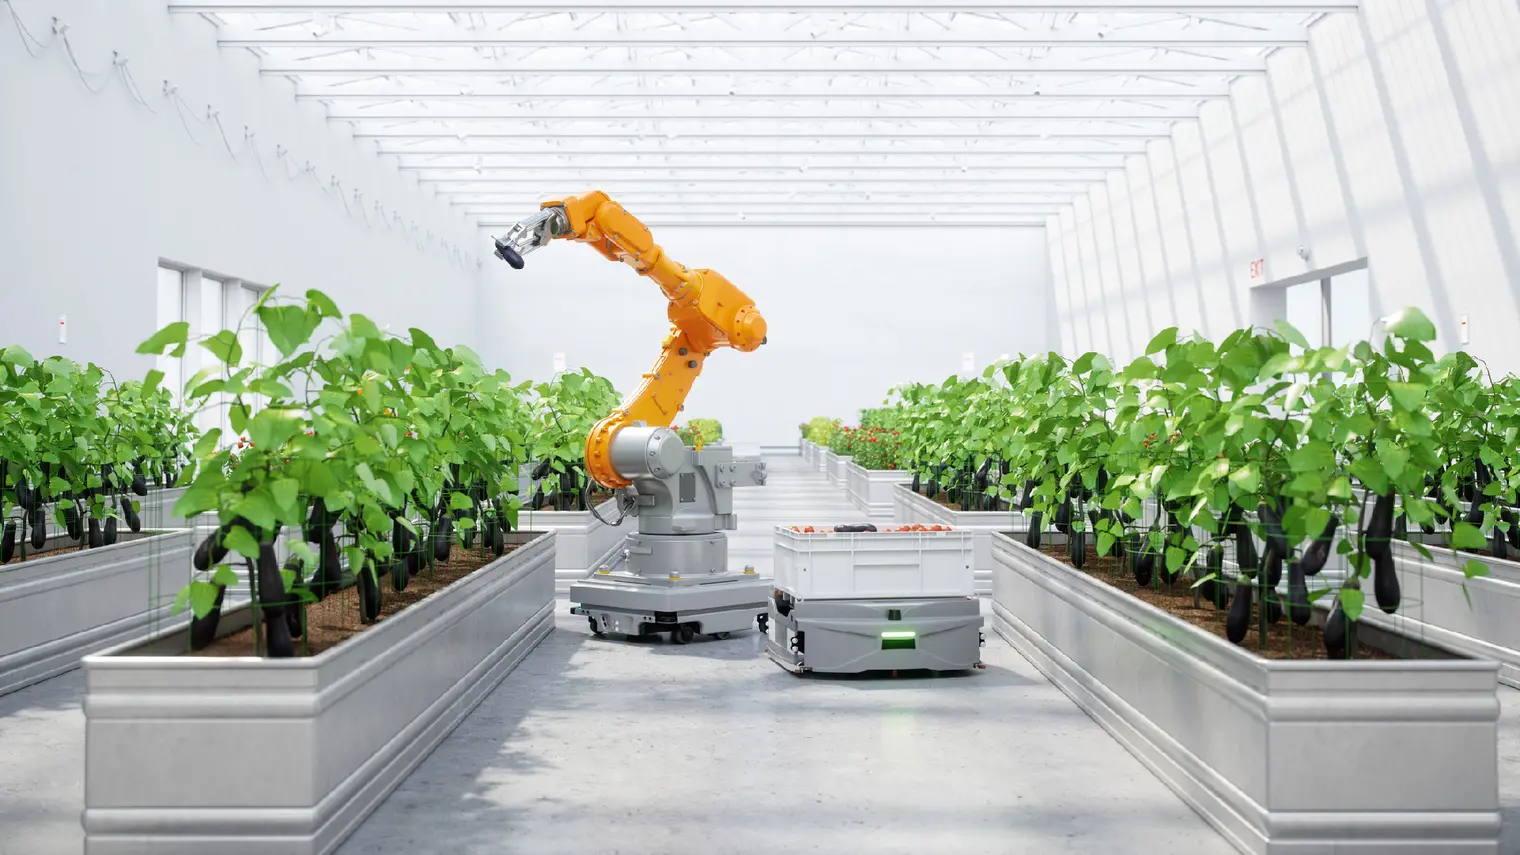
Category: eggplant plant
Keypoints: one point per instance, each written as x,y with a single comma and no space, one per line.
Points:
62,446
566,410
365,445
1259,451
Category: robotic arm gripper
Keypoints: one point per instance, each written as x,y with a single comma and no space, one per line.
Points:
706,312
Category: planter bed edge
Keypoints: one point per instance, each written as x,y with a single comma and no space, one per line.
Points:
910,507
1230,732
306,747
85,601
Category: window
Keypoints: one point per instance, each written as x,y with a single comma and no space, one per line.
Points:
171,308
1306,310
1350,307
1334,311
210,304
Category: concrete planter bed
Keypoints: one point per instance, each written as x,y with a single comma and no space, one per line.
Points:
195,754
910,507
582,542
1281,756
871,489
1436,611
57,609
834,466
809,453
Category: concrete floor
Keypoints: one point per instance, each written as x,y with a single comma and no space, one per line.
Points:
608,747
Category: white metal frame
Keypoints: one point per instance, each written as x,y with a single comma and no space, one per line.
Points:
871,112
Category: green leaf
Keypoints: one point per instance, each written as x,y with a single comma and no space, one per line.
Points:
459,501
285,492
241,541
323,304
273,426
1105,542
202,598
289,327
1410,323
237,417
1466,536
224,575
1474,568
1174,559
225,347
317,480
1352,602
207,443
204,494
363,327
1246,479
181,600
258,508
1291,333
1162,340
175,333
302,550
1409,396
150,382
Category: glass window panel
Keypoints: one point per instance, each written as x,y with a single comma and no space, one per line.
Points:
171,308
1350,308
1306,310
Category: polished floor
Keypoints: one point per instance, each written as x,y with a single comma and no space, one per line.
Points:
606,746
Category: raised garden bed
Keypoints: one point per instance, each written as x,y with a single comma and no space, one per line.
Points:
68,602
871,489
583,542
1482,622
295,752
834,467
1402,751
910,507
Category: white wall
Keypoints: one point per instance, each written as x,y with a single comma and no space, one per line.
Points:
852,311
1393,137
95,189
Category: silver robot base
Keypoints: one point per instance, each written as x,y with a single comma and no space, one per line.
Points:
692,593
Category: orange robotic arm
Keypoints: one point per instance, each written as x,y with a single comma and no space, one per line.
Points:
706,311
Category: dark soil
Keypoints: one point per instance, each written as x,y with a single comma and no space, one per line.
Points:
336,618
944,499
32,556
1285,639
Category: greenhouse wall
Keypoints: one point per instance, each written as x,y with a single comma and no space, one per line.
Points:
1386,145
139,175
852,311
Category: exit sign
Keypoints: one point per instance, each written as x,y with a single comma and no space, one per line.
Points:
1258,268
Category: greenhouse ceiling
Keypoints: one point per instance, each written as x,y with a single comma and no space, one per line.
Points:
763,111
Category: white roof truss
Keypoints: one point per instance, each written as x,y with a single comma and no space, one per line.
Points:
889,112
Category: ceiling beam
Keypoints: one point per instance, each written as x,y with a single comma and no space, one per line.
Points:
657,196
811,219
746,185
343,66
585,175
614,134
723,207
514,154
1116,112
1297,7
1281,36
1140,90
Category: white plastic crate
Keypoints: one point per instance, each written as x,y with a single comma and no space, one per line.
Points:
874,565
